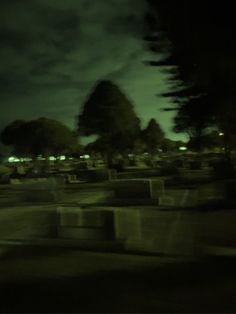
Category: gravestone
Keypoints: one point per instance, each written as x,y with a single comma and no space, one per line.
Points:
139,174
127,224
82,165
195,165
20,170
179,163
43,189
212,193
96,175
168,169
137,188
172,233
167,201
5,173
72,178
179,198
194,175
85,224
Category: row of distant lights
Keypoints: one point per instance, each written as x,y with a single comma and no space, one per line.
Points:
51,158
86,156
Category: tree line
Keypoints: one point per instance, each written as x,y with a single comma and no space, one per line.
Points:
107,113
197,41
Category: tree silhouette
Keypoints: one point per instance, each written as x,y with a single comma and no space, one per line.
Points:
152,136
42,136
209,141
109,114
198,41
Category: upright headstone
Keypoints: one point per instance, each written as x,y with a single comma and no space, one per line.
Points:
179,198
72,179
85,224
95,175
20,170
43,190
5,173
138,188
127,224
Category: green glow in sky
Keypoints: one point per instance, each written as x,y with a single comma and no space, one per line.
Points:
55,51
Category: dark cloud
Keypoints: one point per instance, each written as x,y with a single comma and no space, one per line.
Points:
52,53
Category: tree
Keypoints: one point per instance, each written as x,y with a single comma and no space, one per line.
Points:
207,141
212,140
42,136
99,146
14,135
152,136
110,115
201,48
139,146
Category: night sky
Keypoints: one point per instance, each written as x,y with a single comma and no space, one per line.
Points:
54,51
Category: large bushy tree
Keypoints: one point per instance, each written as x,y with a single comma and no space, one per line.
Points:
198,39
109,114
42,136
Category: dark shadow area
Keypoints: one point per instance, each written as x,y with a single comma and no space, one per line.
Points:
202,286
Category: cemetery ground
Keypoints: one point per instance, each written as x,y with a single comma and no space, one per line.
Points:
60,280
168,253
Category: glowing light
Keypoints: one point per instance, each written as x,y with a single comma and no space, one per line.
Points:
52,158
85,156
62,158
16,159
221,134
13,159
183,148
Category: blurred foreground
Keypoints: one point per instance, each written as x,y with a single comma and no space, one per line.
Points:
58,280
139,240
